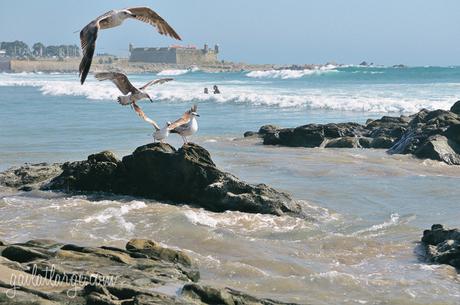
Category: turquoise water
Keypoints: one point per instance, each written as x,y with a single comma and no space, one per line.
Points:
51,116
370,208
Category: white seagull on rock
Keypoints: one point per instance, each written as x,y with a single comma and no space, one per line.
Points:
187,125
88,34
160,133
131,93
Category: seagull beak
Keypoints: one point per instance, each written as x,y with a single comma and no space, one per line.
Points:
197,114
134,16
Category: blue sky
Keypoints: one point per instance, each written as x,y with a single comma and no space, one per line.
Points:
414,32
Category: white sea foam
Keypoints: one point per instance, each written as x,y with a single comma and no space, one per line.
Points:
117,213
377,98
290,74
173,72
394,220
244,222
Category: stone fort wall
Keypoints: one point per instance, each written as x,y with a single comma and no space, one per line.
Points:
182,56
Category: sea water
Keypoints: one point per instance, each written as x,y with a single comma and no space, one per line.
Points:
370,208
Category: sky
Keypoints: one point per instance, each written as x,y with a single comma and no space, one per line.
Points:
412,32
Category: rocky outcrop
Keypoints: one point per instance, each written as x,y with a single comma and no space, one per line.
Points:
159,171
29,176
382,133
456,108
442,246
427,135
143,273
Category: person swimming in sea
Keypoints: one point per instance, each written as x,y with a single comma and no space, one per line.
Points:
206,91
216,90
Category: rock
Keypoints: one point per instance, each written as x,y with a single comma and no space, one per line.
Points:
154,250
426,134
311,135
456,108
224,296
439,148
23,254
28,175
365,142
453,133
105,156
419,134
187,175
382,142
345,142
248,134
442,246
268,129
95,174
271,139
90,275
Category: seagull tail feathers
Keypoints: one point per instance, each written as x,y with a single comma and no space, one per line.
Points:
123,100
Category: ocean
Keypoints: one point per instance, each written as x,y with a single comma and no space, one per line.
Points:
370,208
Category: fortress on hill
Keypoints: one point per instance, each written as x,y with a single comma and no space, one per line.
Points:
181,55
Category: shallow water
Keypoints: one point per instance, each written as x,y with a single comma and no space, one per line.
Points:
369,208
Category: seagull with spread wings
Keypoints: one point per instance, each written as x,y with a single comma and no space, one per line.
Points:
88,34
160,133
187,125
131,93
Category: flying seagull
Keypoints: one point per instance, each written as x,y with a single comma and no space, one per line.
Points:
187,125
160,133
131,93
88,34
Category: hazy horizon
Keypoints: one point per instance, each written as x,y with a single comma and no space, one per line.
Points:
415,33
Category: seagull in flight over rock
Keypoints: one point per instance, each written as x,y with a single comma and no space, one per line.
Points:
131,93
114,18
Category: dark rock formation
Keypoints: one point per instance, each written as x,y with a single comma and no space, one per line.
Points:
158,171
71,274
456,108
427,134
442,246
226,296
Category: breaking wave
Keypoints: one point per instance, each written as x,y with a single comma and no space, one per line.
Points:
173,72
291,74
376,98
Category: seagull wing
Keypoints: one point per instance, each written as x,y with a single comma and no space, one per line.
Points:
88,36
144,117
119,79
156,81
146,15
183,120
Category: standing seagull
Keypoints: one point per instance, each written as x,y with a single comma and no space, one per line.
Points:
131,93
88,34
187,125
160,133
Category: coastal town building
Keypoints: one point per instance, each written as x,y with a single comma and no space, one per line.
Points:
5,64
186,55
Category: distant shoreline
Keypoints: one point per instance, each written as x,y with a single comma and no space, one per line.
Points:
70,65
